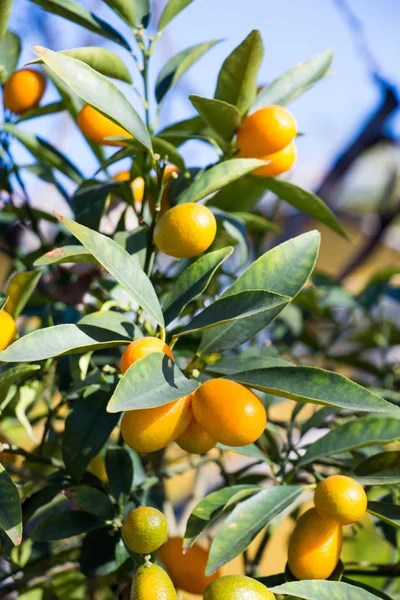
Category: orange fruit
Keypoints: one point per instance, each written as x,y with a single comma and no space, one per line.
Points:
185,230
150,429
137,185
24,90
97,466
186,570
144,530
229,412
315,546
195,439
265,132
237,587
340,498
280,162
97,127
8,329
140,348
151,582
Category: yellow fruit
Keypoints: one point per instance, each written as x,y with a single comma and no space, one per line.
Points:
186,570
97,466
144,530
24,90
151,582
95,126
280,162
185,230
150,429
229,412
237,587
265,132
340,499
315,547
137,185
195,440
8,329
141,348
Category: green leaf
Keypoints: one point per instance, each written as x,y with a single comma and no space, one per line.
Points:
172,9
10,375
250,450
222,117
311,384
237,79
19,291
45,152
244,193
212,507
283,270
192,282
90,499
389,513
236,307
256,223
3,300
294,82
41,111
124,9
164,148
97,91
10,49
177,66
323,590
89,200
367,588
367,431
82,16
10,508
87,428
94,332
217,177
378,462
151,381
182,131
306,202
124,268
381,478
246,521
230,366
5,11
63,525
66,254
120,473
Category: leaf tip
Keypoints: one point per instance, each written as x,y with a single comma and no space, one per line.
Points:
18,540
40,50
58,216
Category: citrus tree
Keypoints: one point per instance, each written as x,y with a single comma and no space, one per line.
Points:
134,353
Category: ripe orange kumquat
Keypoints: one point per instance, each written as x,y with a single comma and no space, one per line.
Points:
265,132
195,439
8,329
280,162
137,185
340,499
151,582
140,348
24,90
97,127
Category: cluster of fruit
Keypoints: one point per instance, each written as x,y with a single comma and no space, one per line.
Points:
316,542
219,410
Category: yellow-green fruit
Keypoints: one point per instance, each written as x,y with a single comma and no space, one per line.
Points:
151,582
144,530
237,587
340,499
315,547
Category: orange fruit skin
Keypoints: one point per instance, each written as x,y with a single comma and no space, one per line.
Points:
140,348
195,439
165,205
150,429
185,230
340,499
8,329
24,90
315,546
265,132
280,162
96,127
144,530
137,185
186,570
229,412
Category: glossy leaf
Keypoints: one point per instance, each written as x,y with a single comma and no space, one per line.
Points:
378,462
64,525
66,254
95,332
246,520
250,450
68,9
389,513
164,148
152,381
177,66
5,11
367,588
45,152
120,473
192,282
237,79
244,193
171,10
97,557
123,8
87,428
10,49
41,111
10,508
230,366
294,82
222,117
381,478
10,375
256,223
322,590
89,201
124,268
90,499
179,132
367,431
217,177
306,202
19,290
97,91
